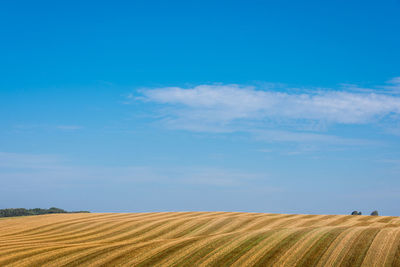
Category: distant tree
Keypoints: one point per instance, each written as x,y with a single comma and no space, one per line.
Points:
359,213
374,213
55,210
354,213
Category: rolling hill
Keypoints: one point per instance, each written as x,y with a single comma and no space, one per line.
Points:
199,239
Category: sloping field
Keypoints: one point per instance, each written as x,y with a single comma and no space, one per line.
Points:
199,239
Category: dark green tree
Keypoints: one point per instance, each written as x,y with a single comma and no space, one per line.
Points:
26,212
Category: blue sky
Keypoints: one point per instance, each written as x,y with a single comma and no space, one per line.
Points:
259,106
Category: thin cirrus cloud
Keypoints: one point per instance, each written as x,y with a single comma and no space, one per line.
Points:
54,170
69,127
213,108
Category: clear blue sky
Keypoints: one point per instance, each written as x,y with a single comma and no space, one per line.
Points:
259,106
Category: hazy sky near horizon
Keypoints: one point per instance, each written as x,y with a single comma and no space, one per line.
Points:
259,106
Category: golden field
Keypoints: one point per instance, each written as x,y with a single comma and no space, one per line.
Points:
199,239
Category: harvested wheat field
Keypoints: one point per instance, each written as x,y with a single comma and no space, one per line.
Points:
199,239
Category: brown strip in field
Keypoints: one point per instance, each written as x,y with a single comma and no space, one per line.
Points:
109,227
25,254
154,259
12,250
238,225
213,228
212,257
341,220
317,220
372,221
125,257
27,228
115,230
297,251
202,241
139,232
273,255
14,225
126,233
296,219
386,219
250,225
315,253
380,248
87,255
391,225
86,230
365,218
104,236
202,251
165,231
267,222
338,249
310,216
189,228
355,255
73,232
42,258
66,257
181,230
242,248
258,251
394,260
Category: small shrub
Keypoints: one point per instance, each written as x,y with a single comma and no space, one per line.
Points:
356,213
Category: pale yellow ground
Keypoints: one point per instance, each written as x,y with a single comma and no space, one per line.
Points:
199,239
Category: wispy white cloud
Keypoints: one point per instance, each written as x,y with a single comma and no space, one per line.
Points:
48,127
29,161
391,87
226,103
17,168
306,137
230,108
395,81
218,176
69,127
394,85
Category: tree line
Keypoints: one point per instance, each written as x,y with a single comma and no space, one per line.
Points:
36,211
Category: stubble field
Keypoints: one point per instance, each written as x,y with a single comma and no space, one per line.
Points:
199,239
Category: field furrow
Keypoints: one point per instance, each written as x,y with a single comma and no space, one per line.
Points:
199,239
